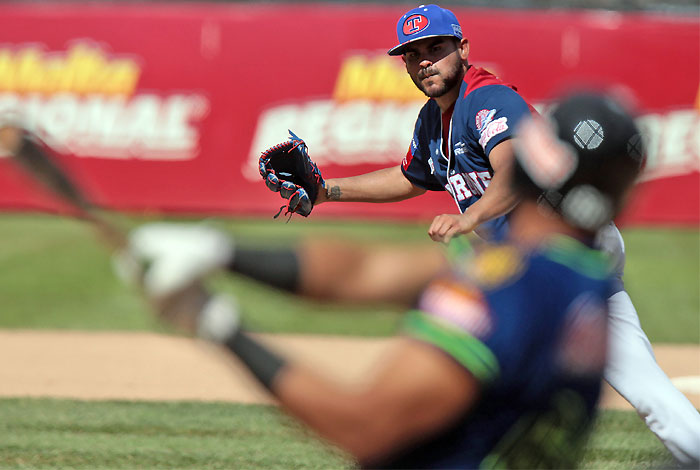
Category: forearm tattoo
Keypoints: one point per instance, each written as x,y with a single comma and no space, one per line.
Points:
334,193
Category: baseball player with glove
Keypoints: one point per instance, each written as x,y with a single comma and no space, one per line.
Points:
469,386
463,143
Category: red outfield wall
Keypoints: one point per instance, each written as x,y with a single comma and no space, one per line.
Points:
167,107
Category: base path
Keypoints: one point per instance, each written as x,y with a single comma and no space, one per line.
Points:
147,366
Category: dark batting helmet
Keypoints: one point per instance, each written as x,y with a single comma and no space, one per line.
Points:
582,160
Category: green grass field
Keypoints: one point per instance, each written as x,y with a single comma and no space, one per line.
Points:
53,274
40,434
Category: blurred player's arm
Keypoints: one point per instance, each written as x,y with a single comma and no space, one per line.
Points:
498,199
386,185
419,391
320,268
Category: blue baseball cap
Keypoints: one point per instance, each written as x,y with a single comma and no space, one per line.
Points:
425,21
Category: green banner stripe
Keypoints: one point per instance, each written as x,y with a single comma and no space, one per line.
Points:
465,348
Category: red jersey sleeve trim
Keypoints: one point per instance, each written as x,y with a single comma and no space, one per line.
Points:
407,159
476,77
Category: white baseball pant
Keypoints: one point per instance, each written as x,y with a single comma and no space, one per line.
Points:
632,369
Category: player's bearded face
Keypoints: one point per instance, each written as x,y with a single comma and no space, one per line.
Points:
435,82
437,75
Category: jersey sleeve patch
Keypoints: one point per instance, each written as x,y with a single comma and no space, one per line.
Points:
483,118
496,111
467,350
496,265
458,305
492,129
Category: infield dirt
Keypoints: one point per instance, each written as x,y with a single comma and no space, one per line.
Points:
146,366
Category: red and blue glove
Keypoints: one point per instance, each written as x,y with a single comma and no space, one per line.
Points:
287,169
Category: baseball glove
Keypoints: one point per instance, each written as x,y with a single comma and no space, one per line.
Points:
287,169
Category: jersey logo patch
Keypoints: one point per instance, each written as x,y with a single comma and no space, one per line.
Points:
457,305
414,24
493,129
496,265
484,117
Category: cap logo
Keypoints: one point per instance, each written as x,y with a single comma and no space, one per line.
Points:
415,24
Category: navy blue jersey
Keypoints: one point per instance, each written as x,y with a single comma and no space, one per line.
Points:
531,328
486,113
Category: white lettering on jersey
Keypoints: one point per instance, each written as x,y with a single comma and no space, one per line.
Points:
469,184
461,192
474,183
485,178
492,129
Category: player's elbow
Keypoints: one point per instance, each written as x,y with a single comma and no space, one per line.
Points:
373,435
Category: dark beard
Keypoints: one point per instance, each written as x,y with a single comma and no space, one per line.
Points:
450,80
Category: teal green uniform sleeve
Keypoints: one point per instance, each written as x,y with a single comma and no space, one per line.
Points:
464,348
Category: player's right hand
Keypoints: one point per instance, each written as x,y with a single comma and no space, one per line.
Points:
446,226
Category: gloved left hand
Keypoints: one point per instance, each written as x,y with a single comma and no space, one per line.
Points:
288,169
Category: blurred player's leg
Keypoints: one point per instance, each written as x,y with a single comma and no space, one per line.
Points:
353,272
632,370
276,267
343,270
634,373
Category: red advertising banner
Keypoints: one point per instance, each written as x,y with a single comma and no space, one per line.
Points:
166,107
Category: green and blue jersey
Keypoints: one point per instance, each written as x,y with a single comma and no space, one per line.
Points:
531,327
